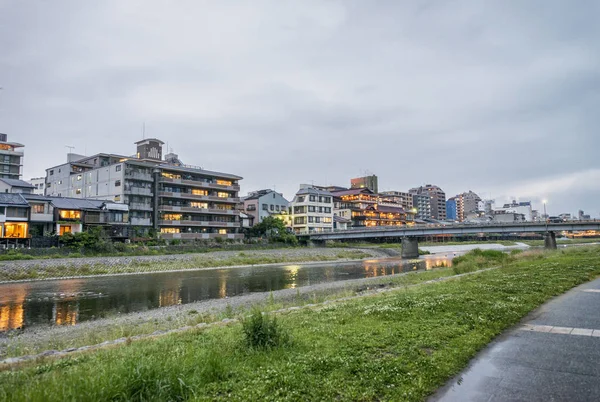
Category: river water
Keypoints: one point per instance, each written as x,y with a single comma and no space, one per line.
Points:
70,301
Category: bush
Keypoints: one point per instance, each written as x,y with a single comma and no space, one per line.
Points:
262,331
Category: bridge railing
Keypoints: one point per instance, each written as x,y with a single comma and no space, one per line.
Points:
554,225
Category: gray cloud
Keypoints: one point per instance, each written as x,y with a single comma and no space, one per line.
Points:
497,97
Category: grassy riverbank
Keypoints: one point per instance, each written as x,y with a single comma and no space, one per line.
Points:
398,345
98,267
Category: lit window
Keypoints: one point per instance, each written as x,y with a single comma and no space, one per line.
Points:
78,191
69,214
202,205
222,231
196,191
224,182
172,217
169,230
221,194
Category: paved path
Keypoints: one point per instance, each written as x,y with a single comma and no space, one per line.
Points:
554,356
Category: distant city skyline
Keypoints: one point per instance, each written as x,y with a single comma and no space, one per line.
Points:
499,98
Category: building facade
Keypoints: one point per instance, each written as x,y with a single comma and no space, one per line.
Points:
39,185
451,209
11,158
523,208
422,205
175,200
404,200
370,182
311,210
15,186
263,203
438,199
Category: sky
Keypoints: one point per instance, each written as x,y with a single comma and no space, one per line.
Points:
498,97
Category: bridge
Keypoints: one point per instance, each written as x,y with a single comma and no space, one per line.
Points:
409,234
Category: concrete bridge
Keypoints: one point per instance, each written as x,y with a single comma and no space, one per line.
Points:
409,234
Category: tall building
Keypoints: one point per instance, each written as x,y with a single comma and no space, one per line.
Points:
11,160
178,201
312,210
369,182
438,199
451,209
263,203
523,208
464,204
364,209
422,203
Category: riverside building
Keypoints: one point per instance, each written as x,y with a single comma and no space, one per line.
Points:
11,159
177,201
312,210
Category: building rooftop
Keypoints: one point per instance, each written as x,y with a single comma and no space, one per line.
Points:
313,191
13,199
17,183
352,191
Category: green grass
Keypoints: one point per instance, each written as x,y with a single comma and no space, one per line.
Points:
398,245
562,241
204,261
398,345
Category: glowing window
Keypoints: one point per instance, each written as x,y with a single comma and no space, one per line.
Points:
69,214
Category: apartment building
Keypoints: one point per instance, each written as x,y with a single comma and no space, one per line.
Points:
404,200
312,210
451,209
176,200
438,199
11,158
370,182
39,185
262,203
422,204
365,208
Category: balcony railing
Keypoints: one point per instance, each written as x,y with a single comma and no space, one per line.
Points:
138,175
138,191
200,183
140,221
140,206
198,197
198,210
193,236
199,223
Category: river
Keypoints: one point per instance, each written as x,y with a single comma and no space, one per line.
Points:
70,301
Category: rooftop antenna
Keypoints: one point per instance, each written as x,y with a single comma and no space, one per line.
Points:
143,130
71,148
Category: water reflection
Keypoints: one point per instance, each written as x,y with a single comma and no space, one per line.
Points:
67,302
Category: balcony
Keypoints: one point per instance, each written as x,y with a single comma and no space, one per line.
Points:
102,219
200,183
199,223
199,236
133,175
191,196
138,191
140,221
138,206
198,210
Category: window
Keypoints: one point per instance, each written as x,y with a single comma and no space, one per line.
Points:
60,182
196,191
300,220
201,205
78,191
277,208
2,210
222,194
64,229
321,209
78,177
265,207
317,219
327,210
320,199
300,210
171,217
69,214
171,175
326,220
52,173
272,207
222,231
311,219
169,230
13,212
224,182
312,198
15,230
117,183
300,199
118,168
328,200
251,207
311,208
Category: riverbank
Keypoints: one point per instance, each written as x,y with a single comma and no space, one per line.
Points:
398,345
90,266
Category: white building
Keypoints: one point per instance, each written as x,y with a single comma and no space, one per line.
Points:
15,186
523,208
39,185
263,203
11,160
312,210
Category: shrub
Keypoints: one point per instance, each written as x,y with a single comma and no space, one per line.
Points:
262,331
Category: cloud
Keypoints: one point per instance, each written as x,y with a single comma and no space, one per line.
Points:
493,97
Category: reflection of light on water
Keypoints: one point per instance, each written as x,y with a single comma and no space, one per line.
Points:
293,275
65,313
12,313
438,261
169,297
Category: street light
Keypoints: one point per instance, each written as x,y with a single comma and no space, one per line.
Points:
545,214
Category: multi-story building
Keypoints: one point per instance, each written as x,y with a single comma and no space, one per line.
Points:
422,204
451,209
364,208
14,217
263,203
39,185
438,199
176,200
15,186
405,200
523,208
11,160
369,182
312,210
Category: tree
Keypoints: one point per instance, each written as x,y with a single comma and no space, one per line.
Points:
274,229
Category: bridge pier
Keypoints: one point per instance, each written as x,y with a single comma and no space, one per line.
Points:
315,243
410,247
550,240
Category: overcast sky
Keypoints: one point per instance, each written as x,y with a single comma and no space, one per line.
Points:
498,97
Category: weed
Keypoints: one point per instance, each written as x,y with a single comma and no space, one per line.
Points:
262,332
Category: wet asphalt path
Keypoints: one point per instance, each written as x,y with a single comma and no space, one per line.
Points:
553,356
